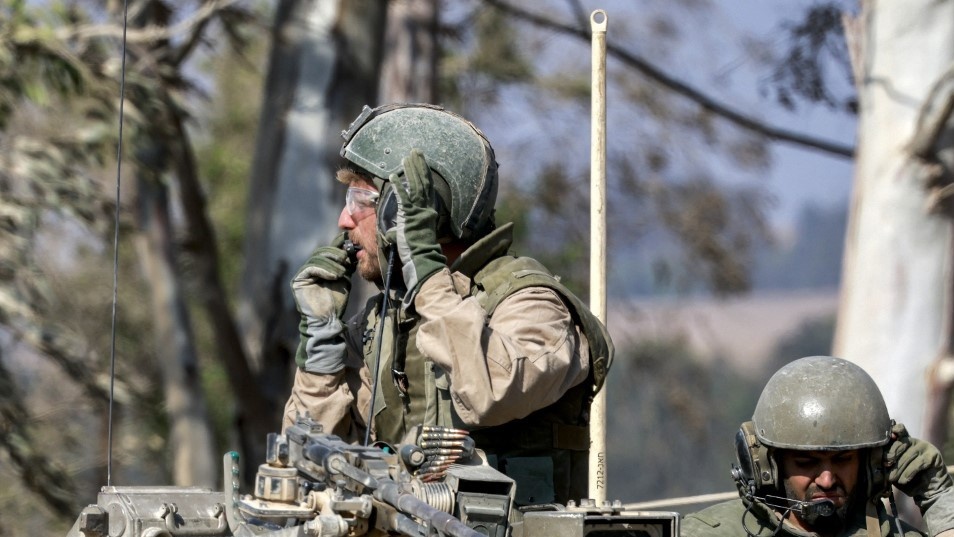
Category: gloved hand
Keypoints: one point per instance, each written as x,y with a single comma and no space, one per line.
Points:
916,468
415,233
321,289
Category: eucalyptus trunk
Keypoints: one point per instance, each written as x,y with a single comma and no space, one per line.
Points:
323,68
409,69
190,436
894,313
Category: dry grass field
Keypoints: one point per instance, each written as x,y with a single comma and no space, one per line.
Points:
743,330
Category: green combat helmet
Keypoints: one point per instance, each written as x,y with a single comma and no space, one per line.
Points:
821,403
818,403
456,151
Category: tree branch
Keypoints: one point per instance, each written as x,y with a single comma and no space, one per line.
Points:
148,34
704,101
935,113
201,244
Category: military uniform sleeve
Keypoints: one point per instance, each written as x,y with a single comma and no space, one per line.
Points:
939,517
338,401
522,359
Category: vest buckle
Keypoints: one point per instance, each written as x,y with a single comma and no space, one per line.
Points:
400,380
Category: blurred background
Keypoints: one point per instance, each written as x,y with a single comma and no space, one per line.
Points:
732,134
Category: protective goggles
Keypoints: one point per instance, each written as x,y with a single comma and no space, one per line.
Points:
359,201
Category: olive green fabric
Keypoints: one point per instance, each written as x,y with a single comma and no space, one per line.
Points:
725,520
415,232
916,468
554,437
321,287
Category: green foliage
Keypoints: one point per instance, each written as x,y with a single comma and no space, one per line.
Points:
225,148
224,153
37,66
56,219
816,47
498,53
672,416
480,56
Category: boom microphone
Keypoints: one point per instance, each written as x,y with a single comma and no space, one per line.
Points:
821,507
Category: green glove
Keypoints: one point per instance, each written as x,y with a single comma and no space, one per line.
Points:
321,289
916,468
415,233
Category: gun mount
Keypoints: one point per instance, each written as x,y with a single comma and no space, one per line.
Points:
315,484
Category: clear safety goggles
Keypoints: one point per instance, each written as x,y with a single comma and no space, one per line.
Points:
359,201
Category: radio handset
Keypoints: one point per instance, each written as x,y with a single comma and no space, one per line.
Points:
351,249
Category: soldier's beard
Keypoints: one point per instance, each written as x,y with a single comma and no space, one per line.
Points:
369,266
833,523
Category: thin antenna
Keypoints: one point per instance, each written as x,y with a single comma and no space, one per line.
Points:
380,335
112,342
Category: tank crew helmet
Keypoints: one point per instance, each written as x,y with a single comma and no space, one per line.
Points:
460,157
821,403
818,403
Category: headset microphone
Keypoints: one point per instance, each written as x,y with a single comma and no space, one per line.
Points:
815,508
821,507
808,510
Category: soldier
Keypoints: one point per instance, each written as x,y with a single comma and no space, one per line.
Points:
474,338
818,457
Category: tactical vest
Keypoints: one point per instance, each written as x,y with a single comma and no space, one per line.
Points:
547,452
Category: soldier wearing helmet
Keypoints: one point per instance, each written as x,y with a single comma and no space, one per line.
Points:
819,456
475,339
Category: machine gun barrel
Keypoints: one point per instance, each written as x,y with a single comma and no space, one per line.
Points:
392,494
385,490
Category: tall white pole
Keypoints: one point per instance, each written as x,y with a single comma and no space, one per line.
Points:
598,20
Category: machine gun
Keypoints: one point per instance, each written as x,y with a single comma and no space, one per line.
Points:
315,484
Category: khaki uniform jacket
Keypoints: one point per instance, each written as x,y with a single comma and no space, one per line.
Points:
499,368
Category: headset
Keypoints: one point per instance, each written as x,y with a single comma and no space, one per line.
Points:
757,478
387,208
755,473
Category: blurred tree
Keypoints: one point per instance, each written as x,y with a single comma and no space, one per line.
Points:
659,125
656,428
59,66
897,310
812,338
324,65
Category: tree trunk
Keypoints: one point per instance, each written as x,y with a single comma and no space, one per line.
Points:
409,69
323,68
897,267
190,436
